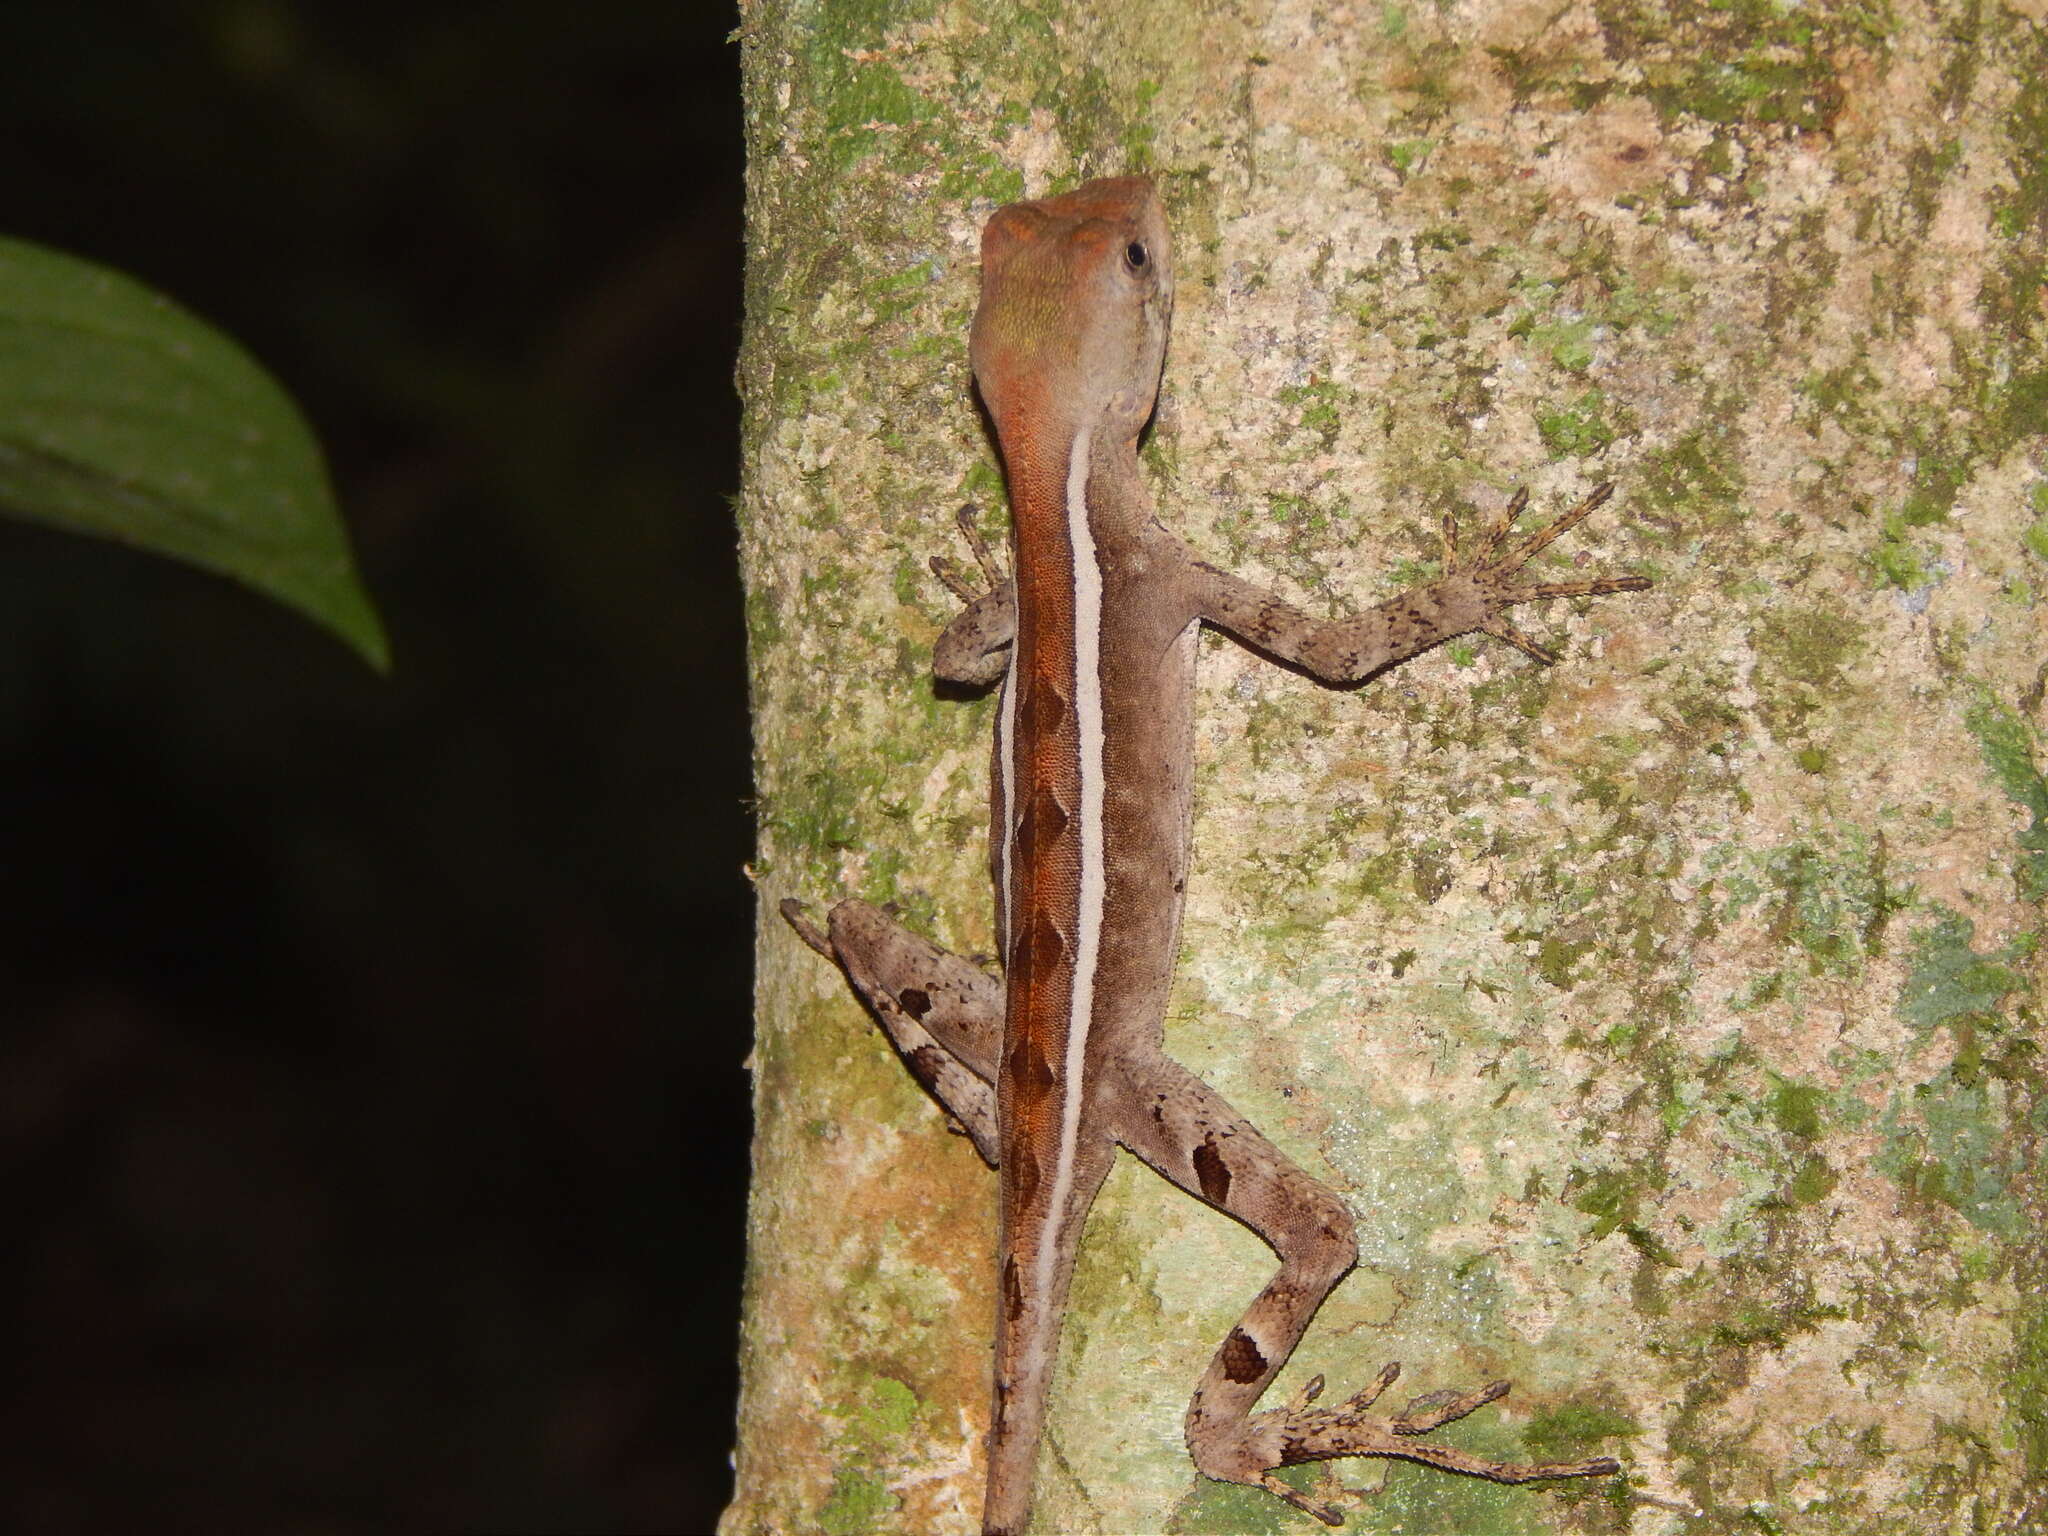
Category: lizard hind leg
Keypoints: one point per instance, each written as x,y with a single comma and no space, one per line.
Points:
943,1013
1189,1133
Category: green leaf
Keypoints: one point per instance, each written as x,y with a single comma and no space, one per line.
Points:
123,416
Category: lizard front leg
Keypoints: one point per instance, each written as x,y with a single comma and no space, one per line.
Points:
1186,1130
1464,599
974,650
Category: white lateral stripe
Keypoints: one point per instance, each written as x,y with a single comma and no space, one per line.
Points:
1006,771
1094,880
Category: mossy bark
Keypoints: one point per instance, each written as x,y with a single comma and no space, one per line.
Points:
1667,1017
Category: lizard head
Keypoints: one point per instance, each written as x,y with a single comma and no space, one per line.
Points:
1076,296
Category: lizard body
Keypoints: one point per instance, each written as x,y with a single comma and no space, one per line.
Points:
1093,640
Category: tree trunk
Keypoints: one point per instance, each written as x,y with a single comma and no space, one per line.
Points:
1664,1015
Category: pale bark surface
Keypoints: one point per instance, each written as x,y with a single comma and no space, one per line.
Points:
1666,1017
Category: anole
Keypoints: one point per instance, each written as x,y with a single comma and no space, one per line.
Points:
1093,641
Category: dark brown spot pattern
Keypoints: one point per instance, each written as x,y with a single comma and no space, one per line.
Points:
926,1062
1212,1172
1242,1361
1043,821
1024,1164
1042,713
1032,1074
1045,947
916,1002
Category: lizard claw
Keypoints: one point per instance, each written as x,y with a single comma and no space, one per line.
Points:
1327,1513
1598,587
1366,1396
971,532
1437,1409
1503,525
957,584
991,571
1310,1391
1501,629
1562,526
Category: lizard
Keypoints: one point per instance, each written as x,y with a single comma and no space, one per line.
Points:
1092,640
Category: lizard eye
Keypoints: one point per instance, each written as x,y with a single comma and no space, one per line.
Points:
1136,256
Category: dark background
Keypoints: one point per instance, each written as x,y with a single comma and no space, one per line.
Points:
371,1111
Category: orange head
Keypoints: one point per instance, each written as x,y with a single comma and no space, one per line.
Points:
1076,295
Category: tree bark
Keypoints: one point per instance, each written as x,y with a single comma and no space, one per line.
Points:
1667,1017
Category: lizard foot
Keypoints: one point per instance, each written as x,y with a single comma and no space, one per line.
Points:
955,580
1301,1432
974,650
1497,568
